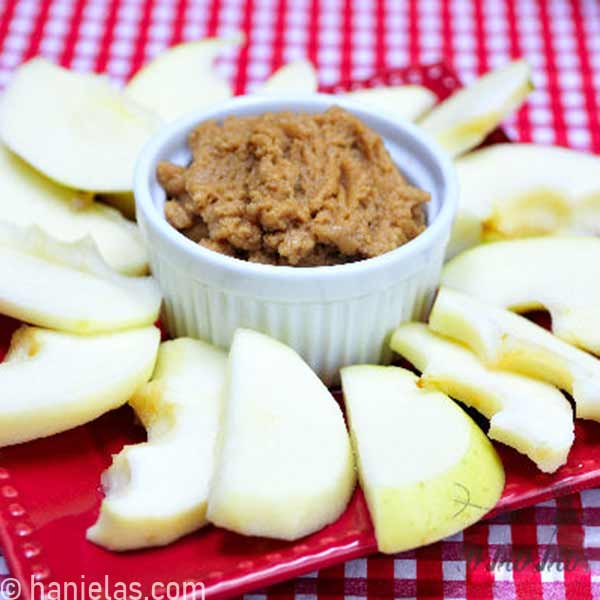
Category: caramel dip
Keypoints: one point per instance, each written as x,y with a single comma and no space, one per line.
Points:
292,189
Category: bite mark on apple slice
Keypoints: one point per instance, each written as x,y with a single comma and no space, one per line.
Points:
526,414
157,491
559,274
504,340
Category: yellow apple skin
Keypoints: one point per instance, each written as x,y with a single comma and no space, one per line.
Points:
504,340
27,198
559,274
68,287
157,491
54,381
426,469
75,128
462,122
551,190
158,85
528,415
285,466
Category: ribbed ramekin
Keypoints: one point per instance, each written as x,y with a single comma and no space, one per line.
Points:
333,316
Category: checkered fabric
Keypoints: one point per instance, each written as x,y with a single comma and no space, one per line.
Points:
548,551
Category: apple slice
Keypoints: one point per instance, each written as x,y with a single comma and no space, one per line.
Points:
403,102
560,274
549,190
67,286
462,122
426,469
508,341
123,201
55,381
157,492
528,415
182,79
73,127
28,198
297,77
285,468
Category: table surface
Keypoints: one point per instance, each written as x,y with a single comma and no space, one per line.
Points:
345,39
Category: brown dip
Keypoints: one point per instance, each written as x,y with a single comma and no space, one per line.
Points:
292,189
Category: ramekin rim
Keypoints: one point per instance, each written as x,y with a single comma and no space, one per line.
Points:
157,221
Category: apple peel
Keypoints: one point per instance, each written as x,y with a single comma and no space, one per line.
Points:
426,469
528,415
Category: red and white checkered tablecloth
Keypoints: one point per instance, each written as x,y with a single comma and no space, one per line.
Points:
345,39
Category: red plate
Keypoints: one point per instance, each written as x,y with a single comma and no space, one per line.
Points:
50,495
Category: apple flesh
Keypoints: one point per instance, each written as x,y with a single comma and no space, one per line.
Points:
157,491
28,198
550,190
559,274
403,102
528,415
68,286
55,381
74,127
426,469
462,122
297,77
182,79
504,340
285,466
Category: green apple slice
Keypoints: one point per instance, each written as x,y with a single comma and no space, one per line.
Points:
28,198
549,190
426,469
528,415
462,122
73,127
67,286
297,77
285,466
182,79
55,381
403,102
559,274
504,340
157,491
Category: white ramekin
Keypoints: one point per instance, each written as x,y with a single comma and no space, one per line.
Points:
333,316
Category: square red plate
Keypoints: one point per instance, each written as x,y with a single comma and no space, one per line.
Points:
50,494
